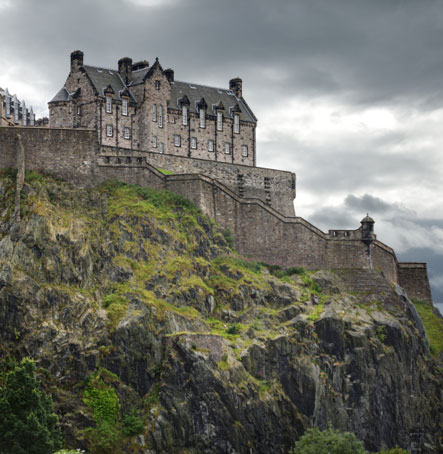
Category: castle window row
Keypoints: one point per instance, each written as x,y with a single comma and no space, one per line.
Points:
126,131
108,107
211,145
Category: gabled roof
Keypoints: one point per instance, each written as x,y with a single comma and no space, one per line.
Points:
213,96
101,78
64,95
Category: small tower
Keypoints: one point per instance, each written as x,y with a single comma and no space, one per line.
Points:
367,235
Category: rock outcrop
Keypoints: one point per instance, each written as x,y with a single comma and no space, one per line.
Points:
214,353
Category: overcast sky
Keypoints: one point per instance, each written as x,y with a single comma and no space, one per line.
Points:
348,93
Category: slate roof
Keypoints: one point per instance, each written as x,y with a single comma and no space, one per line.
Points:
64,95
212,96
102,78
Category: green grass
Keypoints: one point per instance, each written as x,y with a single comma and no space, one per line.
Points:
165,172
433,326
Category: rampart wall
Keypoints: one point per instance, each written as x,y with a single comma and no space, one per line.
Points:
274,187
413,277
260,231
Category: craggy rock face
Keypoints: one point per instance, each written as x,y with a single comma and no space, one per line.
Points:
216,354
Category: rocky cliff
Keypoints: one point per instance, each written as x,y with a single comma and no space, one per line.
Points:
127,292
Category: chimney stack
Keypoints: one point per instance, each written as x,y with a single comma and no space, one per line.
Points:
236,86
125,69
169,73
76,60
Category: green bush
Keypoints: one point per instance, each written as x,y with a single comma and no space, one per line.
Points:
132,424
228,237
330,441
395,450
28,424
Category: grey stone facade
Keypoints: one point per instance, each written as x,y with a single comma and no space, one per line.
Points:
14,112
142,107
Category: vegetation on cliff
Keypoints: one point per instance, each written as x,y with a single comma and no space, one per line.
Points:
152,335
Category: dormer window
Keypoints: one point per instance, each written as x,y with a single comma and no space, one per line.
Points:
202,114
185,115
160,116
236,124
124,106
108,104
157,85
219,121
154,112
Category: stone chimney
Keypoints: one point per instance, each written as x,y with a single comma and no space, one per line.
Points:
140,65
76,60
236,86
169,73
125,69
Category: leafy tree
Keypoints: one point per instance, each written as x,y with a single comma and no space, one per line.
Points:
28,424
330,441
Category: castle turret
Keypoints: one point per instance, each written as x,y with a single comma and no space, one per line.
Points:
76,60
125,69
367,230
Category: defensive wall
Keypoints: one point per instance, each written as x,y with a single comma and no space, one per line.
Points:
261,232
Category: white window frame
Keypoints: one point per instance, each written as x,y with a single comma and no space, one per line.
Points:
227,148
160,116
236,124
172,119
177,140
194,143
244,151
184,115
108,104
154,112
124,107
202,114
154,141
109,131
210,145
219,120
162,147
127,132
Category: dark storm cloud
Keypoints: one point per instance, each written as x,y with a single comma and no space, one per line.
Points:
369,51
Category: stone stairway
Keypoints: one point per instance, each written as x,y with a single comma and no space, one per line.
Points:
369,284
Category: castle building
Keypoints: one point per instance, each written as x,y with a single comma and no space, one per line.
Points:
142,107
14,112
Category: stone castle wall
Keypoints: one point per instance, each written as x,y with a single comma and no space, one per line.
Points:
413,277
260,231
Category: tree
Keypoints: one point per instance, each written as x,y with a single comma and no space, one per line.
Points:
28,424
330,441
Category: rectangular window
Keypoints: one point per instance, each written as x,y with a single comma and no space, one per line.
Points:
16,112
125,107
154,112
185,115
210,145
244,150
172,119
157,85
127,133
227,148
162,147
154,141
109,130
79,111
160,116
8,106
202,118
237,124
177,140
219,121
193,142
108,104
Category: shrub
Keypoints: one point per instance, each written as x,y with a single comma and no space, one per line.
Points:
228,237
330,441
28,424
132,424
